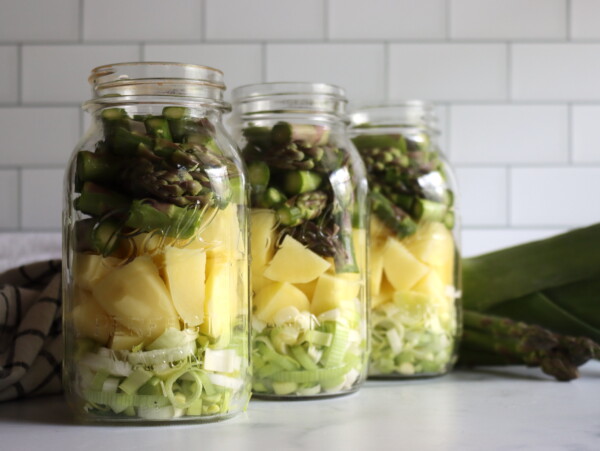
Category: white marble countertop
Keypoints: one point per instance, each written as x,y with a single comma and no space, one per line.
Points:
486,409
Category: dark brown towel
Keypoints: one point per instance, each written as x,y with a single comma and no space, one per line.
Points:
30,330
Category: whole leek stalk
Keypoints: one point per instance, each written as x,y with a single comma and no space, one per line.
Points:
551,285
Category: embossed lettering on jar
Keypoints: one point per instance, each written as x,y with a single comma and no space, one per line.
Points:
308,240
155,267
414,258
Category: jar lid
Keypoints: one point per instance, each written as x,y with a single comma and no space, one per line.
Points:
150,79
289,97
409,113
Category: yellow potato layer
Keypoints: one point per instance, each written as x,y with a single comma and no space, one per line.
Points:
220,288
272,298
432,244
89,269
294,263
331,291
136,297
401,267
89,319
185,273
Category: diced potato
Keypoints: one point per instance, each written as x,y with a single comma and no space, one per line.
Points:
378,229
386,293
262,237
124,339
262,244
221,236
430,284
136,297
294,263
433,286
446,272
89,319
376,265
359,241
307,288
89,269
220,287
185,273
272,298
432,244
331,291
401,268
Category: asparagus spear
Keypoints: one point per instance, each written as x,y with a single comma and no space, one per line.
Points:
94,167
98,201
518,342
297,182
301,208
392,216
171,220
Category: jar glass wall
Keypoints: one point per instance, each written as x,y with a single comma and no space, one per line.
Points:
308,240
155,252
414,257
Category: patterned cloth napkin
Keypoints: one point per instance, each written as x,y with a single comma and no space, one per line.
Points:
30,330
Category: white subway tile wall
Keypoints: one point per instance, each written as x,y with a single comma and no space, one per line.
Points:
9,74
448,72
508,19
142,20
509,134
517,84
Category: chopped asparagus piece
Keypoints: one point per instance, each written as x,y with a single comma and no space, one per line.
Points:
158,127
297,182
126,143
281,134
98,201
92,167
427,210
392,216
380,141
301,208
98,237
258,174
168,218
258,136
271,198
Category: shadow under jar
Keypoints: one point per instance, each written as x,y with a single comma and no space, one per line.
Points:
414,258
308,240
155,254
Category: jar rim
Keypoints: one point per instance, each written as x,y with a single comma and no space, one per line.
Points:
405,113
279,88
156,79
293,97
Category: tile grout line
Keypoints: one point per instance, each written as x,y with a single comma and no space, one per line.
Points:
447,21
570,146
19,199
20,74
325,20
568,30
203,21
509,54
386,71
508,174
81,20
263,51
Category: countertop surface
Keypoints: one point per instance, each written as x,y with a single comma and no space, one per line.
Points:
496,408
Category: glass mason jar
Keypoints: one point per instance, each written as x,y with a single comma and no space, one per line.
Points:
155,260
308,240
414,257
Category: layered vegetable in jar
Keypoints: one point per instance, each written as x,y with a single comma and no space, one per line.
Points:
156,262
308,240
414,273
